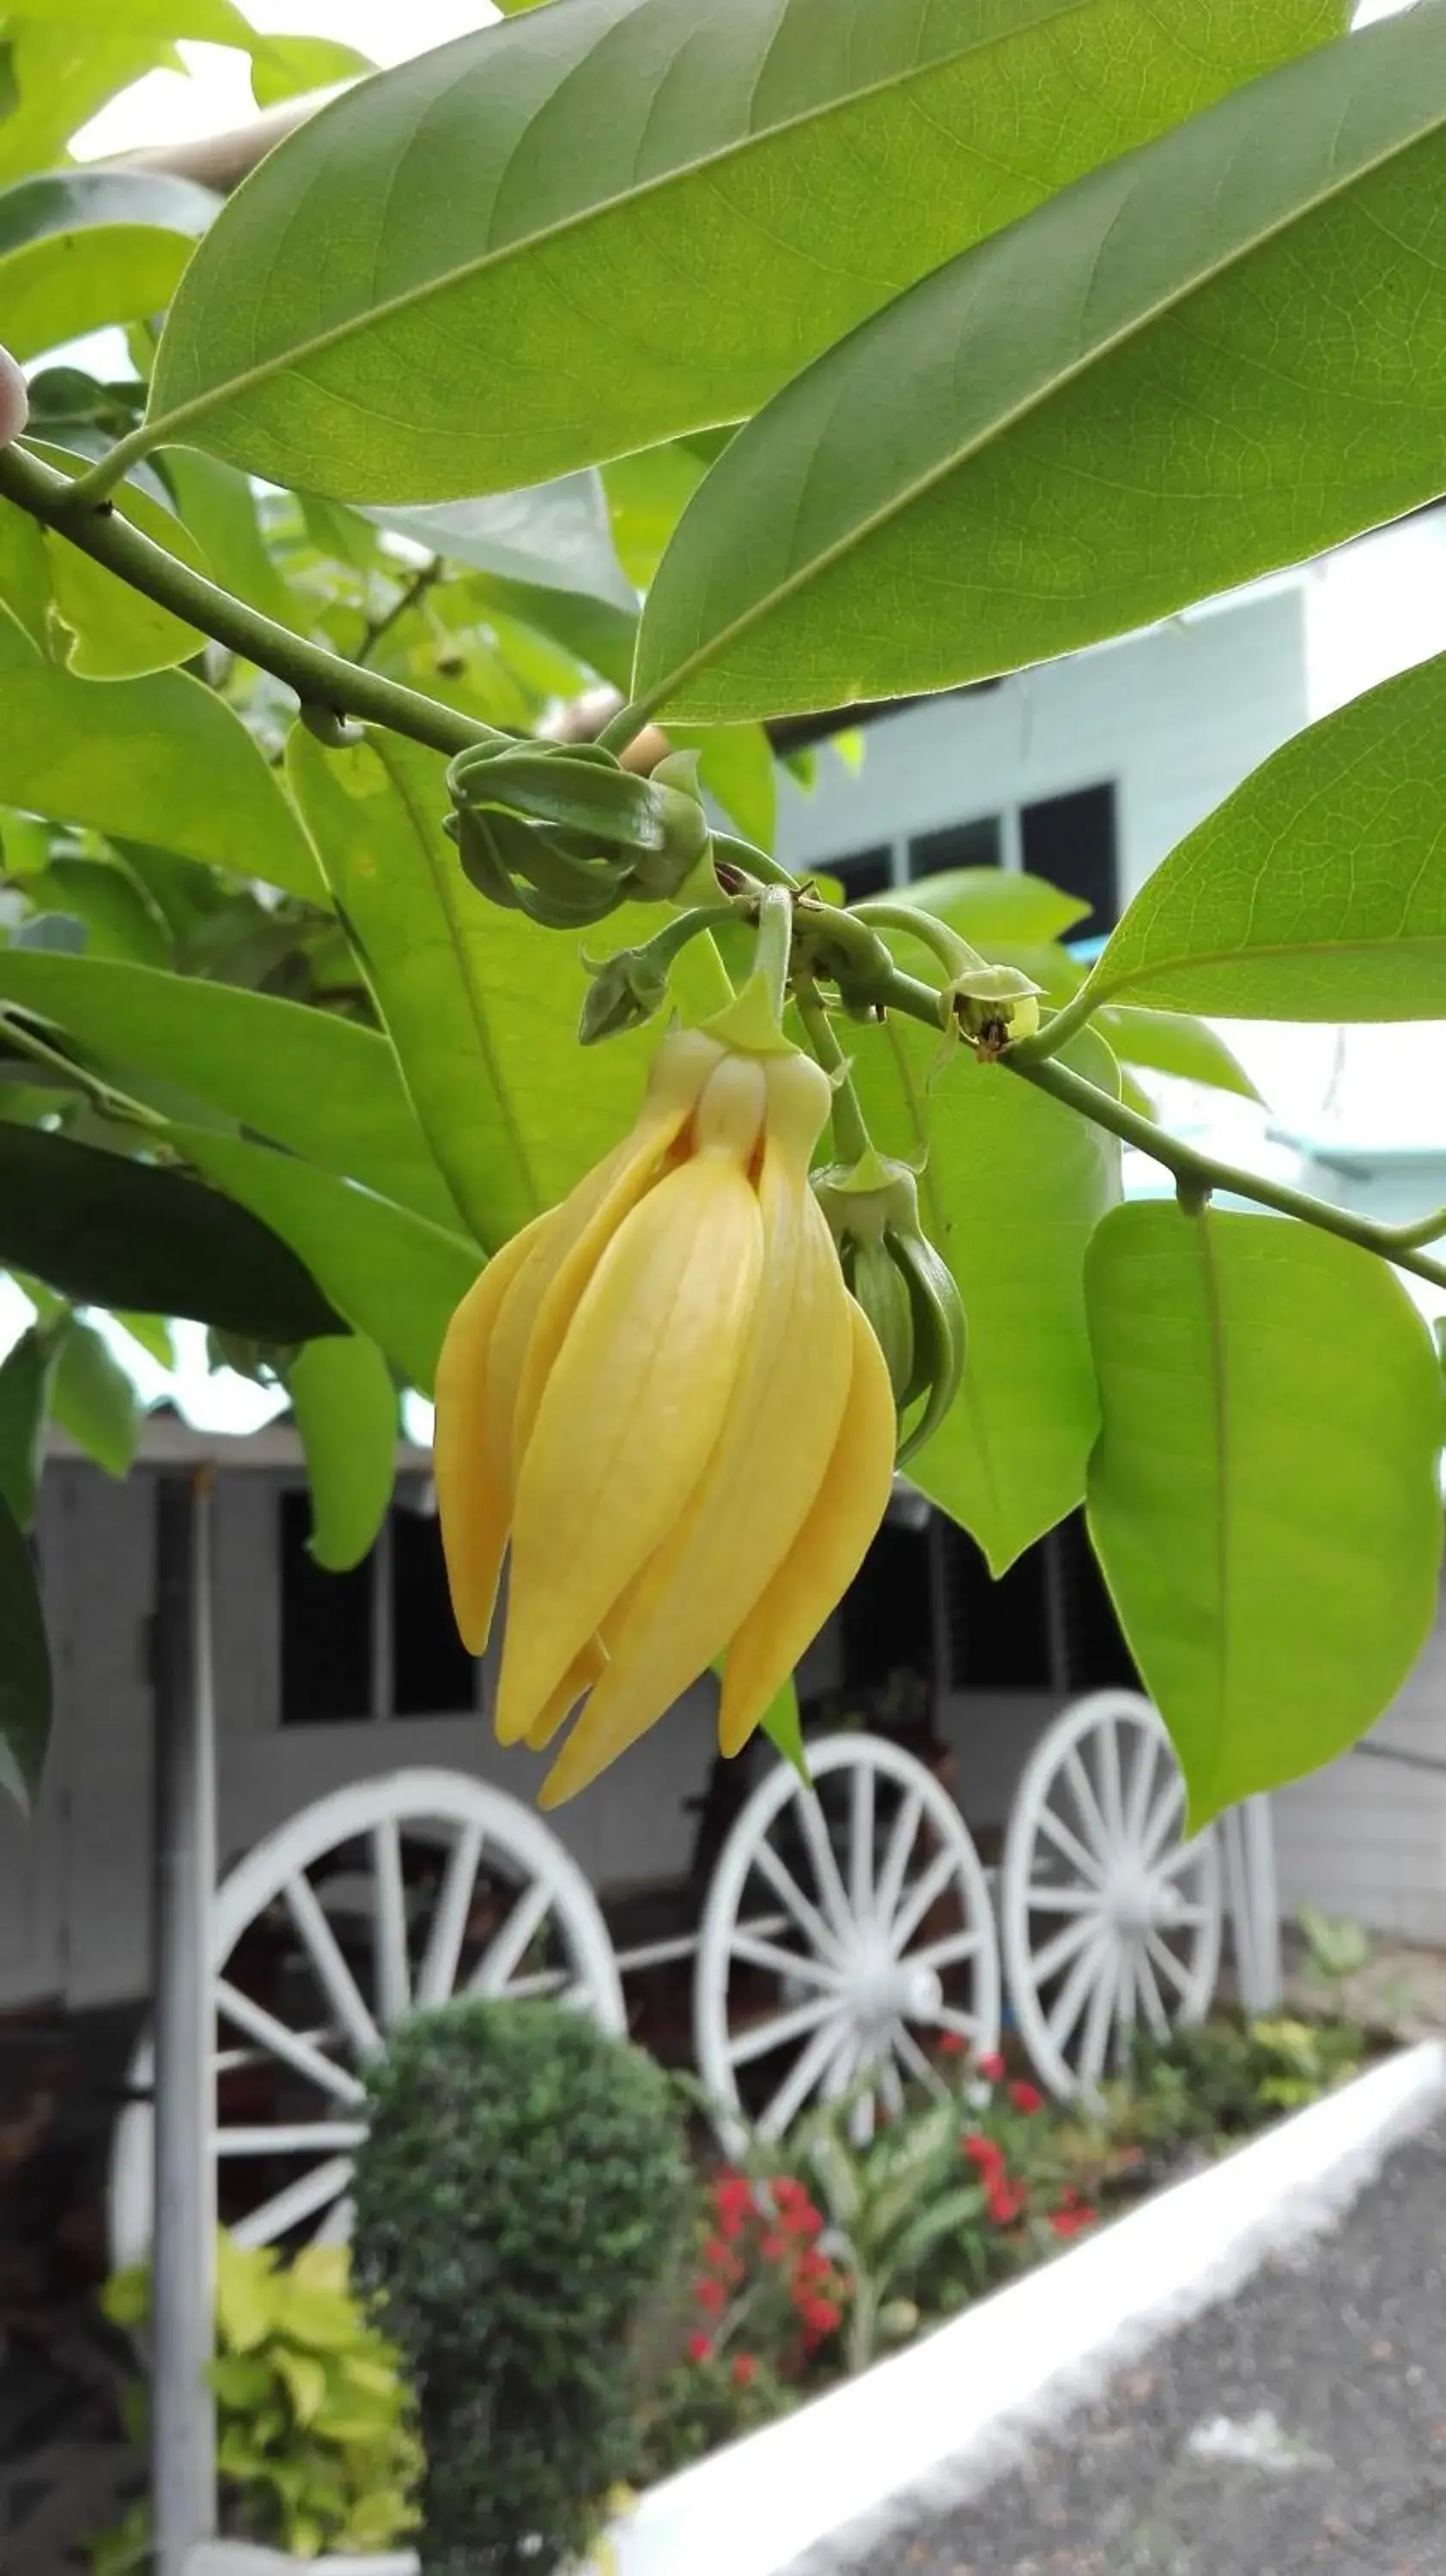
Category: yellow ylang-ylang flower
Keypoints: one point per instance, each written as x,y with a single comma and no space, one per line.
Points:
663,1399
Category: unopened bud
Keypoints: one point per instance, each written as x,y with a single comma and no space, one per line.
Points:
903,1284
626,989
994,1005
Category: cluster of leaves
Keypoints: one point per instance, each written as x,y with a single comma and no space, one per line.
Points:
521,2190
267,1061
316,2448
1222,2079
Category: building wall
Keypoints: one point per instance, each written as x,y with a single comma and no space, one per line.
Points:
1175,717
1366,1837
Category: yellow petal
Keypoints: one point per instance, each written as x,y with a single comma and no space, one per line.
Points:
827,1553
635,1400
472,1539
581,1673
765,1471
681,1067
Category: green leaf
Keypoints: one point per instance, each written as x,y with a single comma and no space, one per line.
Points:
94,1400
1318,890
305,2380
285,67
248,2294
1216,356
736,767
25,574
589,228
1173,1042
218,505
1010,1193
346,1413
119,921
26,1375
482,1006
391,1274
137,757
81,248
24,1666
100,628
554,536
153,1334
988,906
106,1231
323,1087
1263,1498
782,1726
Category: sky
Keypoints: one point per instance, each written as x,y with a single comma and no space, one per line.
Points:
1376,608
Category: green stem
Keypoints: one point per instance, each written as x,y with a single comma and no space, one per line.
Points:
774,945
407,598
954,954
629,721
318,677
85,491
850,1133
1057,1030
750,861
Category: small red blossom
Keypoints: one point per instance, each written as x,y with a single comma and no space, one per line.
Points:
773,2248
806,2221
716,2255
812,2266
789,2193
984,2153
699,2347
1026,2097
991,2067
730,2225
710,2296
1005,2201
1072,2222
733,2194
949,2044
745,2369
821,2316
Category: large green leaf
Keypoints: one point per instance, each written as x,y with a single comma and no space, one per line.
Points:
319,1085
100,628
595,226
1010,1193
1173,1042
119,920
24,1666
1215,356
94,1400
393,1275
26,1375
994,906
1263,1497
1318,890
292,66
141,757
106,1231
482,1006
346,1413
554,536
218,505
79,248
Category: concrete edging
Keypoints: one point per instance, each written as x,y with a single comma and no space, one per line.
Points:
948,2413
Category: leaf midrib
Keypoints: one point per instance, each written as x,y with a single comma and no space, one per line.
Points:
1263,953
659,692
165,424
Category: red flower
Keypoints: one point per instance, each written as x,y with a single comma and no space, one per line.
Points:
1026,2097
699,2347
716,2253
745,2370
821,2316
1005,2201
1072,2222
812,2266
774,2249
730,2225
733,2195
789,2193
806,2221
949,2044
984,2153
991,2067
710,2296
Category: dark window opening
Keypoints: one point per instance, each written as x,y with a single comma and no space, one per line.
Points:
1072,840
863,872
979,844
432,1673
886,1614
326,1629
1048,1624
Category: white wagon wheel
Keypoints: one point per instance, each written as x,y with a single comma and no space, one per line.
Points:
386,1897
843,1932
1106,1918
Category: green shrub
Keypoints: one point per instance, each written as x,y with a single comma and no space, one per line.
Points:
314,2442
520,2192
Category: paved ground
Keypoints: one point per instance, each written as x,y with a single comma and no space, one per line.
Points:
1300,2430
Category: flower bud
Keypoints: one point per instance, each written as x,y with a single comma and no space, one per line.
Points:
994,1005
625,990
563,833
903,1284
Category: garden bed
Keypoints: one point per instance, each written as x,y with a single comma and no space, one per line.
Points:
949,2407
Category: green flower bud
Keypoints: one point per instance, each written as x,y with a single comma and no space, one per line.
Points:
872,1207
684,825
562,832
626,989
994,1005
